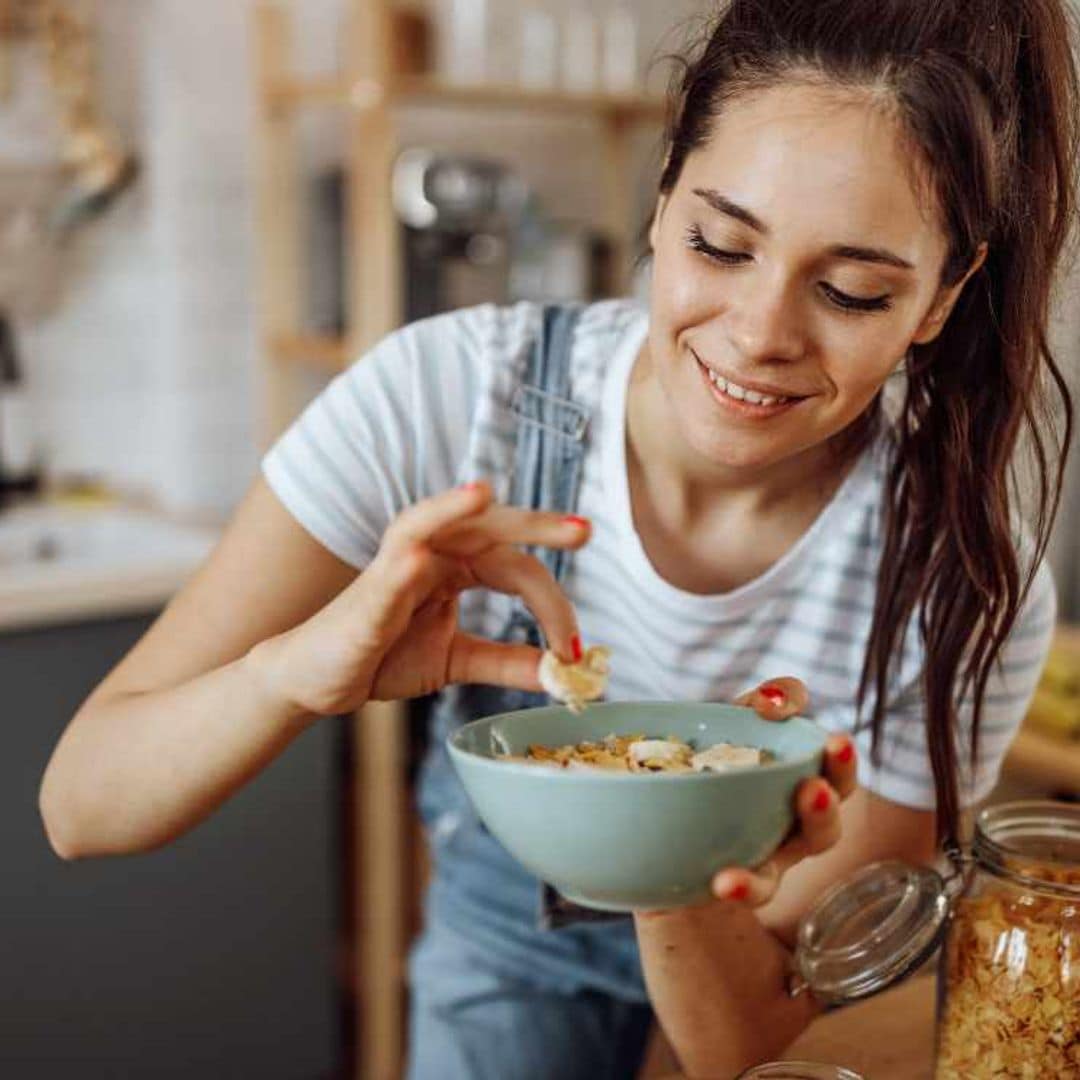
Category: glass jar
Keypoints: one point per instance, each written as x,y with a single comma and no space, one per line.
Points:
1010,968
797,1070
1009,917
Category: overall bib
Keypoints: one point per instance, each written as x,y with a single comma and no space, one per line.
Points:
510,981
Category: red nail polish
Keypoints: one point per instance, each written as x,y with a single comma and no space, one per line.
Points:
573,519
822,800
575,648
739,892
774,694
845,753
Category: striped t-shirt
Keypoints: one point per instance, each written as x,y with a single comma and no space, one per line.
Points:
428,408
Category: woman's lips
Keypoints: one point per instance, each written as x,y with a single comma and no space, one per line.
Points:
742,407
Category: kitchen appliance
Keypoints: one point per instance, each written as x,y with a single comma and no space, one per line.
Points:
459,216
472,232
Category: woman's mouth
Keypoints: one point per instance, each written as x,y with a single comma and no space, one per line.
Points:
744,400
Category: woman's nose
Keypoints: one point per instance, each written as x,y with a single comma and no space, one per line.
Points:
766,324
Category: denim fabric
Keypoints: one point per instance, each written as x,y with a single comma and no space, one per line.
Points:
472,1022
508,980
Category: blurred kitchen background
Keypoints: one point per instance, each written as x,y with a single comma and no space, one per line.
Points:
206,208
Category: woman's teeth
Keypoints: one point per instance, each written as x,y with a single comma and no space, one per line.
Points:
740,393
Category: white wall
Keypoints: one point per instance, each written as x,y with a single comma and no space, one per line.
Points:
146,374
143,376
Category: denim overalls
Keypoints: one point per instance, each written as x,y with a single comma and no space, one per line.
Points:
510,982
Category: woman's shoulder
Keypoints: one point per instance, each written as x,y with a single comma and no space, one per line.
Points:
502,330
490,335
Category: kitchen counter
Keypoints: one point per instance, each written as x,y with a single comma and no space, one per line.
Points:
68,563
888,1037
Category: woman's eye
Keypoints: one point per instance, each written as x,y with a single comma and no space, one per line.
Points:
695,239
856,303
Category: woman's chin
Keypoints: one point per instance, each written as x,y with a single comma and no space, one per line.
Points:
739,451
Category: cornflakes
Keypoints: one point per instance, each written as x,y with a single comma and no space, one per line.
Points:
1012,985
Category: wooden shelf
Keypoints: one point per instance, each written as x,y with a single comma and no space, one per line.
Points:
364,94
369,91
323,353
1052,763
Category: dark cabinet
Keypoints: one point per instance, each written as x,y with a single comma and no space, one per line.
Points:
220,956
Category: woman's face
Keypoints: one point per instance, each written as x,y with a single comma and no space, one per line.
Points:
794,265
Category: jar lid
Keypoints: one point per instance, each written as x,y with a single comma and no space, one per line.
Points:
871,930
1035,844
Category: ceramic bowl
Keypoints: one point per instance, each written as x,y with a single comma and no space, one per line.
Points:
634,841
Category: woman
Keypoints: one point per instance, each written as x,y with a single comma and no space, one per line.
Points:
851,189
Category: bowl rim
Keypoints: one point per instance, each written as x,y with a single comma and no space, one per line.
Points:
595,775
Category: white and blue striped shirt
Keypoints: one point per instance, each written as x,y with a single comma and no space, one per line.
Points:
429,408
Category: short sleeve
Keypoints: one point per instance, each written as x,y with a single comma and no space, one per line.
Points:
387,432
904,775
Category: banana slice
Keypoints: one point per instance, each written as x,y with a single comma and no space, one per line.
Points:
576,683
723,756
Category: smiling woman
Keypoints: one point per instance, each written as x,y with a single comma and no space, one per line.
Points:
712,487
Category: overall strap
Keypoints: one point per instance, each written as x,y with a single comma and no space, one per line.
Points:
551,430
547,476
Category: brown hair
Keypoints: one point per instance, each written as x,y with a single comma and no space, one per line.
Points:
986,91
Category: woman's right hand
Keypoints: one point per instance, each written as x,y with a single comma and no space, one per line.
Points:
393,633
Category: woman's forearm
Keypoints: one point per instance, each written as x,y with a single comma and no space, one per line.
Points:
133,771
717,980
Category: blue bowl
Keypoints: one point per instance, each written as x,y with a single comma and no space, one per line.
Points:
635,841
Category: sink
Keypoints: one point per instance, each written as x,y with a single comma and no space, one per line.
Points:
61,562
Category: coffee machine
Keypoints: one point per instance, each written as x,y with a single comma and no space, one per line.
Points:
458,216
472,232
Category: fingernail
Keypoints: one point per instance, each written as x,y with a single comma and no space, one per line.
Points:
472,485
774,694
739,892
845,753
575,648
822,800
573,519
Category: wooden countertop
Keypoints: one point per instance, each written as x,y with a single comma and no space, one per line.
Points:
888,1037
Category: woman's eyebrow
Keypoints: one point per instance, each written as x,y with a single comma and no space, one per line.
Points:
723,205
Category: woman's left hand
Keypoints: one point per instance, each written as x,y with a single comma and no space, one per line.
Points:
817,801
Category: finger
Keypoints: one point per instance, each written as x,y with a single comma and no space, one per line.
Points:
817,807
512,525
415,569
818,829
477,660
514,572
421,521
841,764
776,699
749,887
397,582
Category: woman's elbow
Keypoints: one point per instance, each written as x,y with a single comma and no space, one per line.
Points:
76,828
61,828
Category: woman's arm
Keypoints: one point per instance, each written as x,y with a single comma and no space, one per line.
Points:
274,632
717,973
717,980
183,720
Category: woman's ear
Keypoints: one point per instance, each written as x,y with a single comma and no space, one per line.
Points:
942,307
